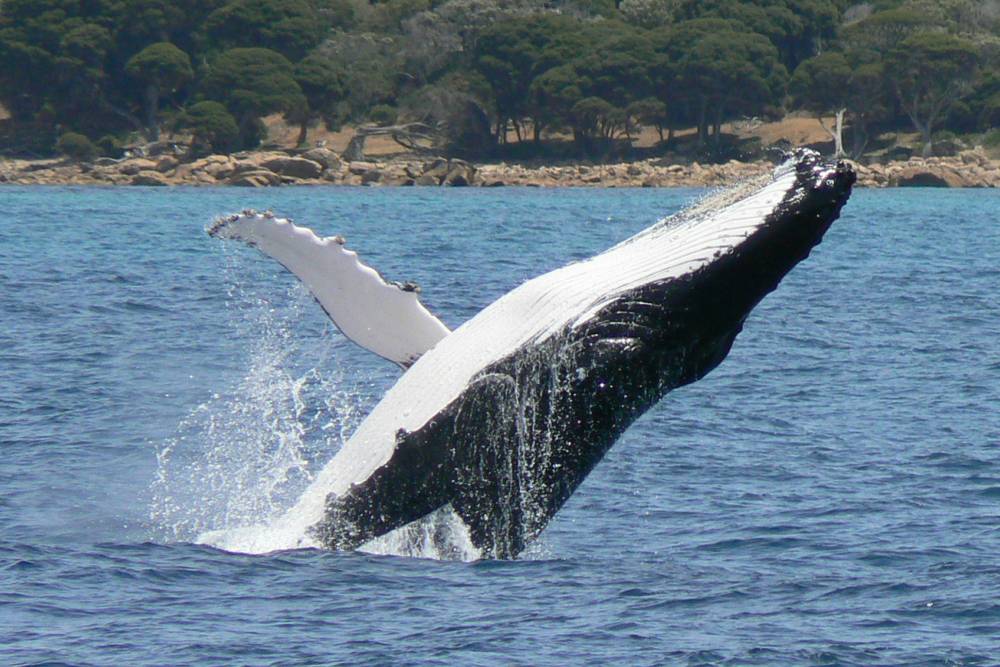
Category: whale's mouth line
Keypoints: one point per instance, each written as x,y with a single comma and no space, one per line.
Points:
495,424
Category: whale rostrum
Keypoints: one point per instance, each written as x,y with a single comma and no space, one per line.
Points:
502,419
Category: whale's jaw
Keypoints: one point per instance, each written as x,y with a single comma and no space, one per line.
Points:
513,434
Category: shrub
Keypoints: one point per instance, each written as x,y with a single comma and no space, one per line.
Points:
212,126
961,118
383,114
992,139
110,146
77,146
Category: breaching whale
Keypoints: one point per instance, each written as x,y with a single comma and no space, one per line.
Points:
501,419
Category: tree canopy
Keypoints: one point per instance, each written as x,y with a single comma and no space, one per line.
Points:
252,83
484,71
929,72
162,68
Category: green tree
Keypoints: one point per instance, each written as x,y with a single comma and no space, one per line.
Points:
797,28
64,62
388,15
322,83
867,102
820,85
830,85
77,146
253,83
595,117
605,61
649,13
734,74
162,68
883,31
651,111
290,27
929,72
212,127
510,55
33,35
371,68
721,71
984,102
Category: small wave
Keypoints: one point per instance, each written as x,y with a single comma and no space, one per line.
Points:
140,306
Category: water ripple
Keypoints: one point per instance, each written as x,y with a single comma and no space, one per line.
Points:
827,496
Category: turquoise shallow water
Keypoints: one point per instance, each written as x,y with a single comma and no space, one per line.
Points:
829,495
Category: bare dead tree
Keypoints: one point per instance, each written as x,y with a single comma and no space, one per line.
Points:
415,137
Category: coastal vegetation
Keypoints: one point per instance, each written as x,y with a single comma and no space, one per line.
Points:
484,79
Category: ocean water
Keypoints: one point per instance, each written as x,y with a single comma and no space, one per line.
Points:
829,495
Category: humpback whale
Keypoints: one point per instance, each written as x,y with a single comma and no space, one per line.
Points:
501,419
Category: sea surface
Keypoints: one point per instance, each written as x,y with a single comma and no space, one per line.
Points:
830,495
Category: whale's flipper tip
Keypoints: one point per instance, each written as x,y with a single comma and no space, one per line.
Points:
381,315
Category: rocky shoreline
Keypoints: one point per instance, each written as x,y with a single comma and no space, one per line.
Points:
321,166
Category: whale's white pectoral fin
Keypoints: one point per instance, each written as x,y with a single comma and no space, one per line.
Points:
382,316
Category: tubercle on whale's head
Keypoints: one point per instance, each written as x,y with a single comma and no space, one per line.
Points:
812,169
234,226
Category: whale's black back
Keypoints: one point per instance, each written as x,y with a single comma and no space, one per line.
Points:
511,449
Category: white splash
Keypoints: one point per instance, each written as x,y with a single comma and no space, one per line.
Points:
247,452
240,460
441,535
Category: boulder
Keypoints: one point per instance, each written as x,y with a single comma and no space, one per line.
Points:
183,172
149,178
371,177
219,170
361,168
296,167
158,148
975,156
244,166
133,167
460,173
214,166
437,169
977,177
255,179
456,179
928,177
201,163
948,147
323,156
166,163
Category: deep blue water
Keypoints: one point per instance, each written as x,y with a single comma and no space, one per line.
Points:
829,495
